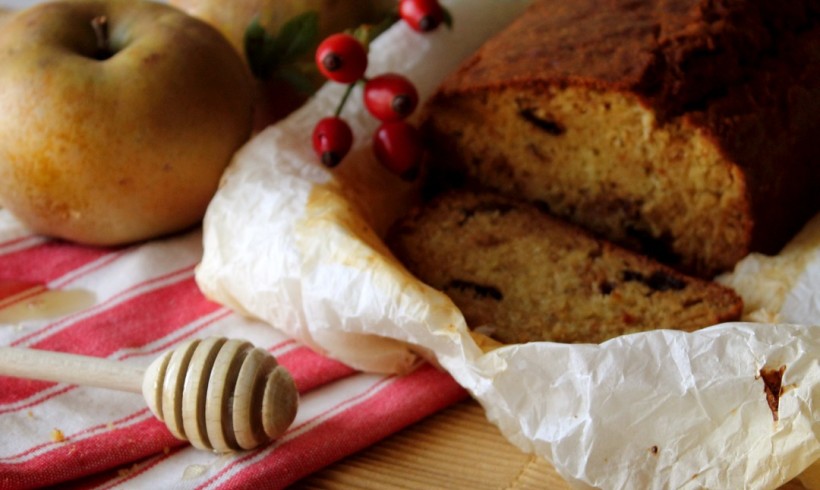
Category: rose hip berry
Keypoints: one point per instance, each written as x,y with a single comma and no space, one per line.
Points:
332,140
421,15
390,97
397,146
341,58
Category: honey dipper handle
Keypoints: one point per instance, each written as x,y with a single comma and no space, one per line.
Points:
70,368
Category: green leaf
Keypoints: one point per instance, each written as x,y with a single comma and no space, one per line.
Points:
259,48
448,18
297,37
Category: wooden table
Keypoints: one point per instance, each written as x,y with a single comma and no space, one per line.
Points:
454,449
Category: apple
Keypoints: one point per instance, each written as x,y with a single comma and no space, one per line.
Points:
5,13
117,118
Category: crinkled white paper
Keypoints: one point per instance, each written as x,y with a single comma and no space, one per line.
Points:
298,246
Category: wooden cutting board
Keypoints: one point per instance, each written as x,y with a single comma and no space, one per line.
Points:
456,448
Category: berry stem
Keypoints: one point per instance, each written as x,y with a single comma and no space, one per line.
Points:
342,102
366,33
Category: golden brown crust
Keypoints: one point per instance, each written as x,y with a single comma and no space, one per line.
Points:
731,85
672,53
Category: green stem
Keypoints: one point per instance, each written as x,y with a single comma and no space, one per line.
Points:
344,99
366,33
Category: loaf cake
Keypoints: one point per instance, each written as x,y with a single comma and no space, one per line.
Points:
686,129
523,275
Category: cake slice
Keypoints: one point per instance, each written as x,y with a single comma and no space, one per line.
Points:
522,275
685,129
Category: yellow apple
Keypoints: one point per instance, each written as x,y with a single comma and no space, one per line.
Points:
117,118
4,15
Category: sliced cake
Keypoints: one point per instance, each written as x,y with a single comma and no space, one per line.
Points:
522,275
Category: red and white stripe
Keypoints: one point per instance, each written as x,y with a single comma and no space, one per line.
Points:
332,423
147,302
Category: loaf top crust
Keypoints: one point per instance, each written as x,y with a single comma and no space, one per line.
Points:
672,53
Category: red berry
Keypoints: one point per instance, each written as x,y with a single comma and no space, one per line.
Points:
341,58
421,15
390,97
398,147
332,140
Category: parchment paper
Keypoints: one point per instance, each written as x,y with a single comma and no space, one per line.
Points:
297,245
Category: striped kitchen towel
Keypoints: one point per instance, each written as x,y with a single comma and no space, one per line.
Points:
130,304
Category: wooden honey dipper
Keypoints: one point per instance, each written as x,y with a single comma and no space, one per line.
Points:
219,394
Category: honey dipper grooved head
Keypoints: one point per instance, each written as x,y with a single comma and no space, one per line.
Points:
221,394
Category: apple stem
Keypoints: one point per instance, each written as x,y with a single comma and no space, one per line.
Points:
100,26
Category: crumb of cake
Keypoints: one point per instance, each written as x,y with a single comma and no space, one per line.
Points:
57,435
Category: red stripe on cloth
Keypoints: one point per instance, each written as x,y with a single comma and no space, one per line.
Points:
96,430
13,287
310,370
121,475
13,291
72,459
123,297
301,363
132,323
44,391
45,262
104,451
157,309
28,272
405,400
21,241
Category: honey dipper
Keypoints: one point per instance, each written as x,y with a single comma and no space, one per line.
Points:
219,394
